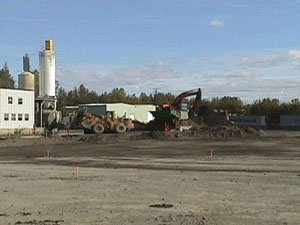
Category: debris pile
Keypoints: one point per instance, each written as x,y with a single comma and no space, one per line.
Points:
203,121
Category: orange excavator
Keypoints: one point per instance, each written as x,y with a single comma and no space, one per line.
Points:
168,116
179,100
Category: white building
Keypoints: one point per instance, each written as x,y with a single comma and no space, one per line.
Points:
16,109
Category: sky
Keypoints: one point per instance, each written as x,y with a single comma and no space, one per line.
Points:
247,49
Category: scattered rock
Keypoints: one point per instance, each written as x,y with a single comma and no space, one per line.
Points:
24,213
41,222
163,205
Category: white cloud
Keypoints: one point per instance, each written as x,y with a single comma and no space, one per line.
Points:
295,56
252,87
248,80
266,61
156,74
216,22
238,73
271,60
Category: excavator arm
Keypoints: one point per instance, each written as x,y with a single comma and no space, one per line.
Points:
186,94
195,107
197,102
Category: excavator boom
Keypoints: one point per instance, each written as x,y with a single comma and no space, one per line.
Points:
186,94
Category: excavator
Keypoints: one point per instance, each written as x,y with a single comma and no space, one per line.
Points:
172,116
178,102
200,118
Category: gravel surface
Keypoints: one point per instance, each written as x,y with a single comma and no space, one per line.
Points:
135,179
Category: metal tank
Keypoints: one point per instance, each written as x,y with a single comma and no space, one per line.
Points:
26,63
47,70
26,81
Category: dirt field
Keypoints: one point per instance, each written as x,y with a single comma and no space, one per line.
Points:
136,179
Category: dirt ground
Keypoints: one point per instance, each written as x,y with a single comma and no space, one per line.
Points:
138,179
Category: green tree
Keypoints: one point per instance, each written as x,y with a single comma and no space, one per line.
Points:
73,97
83,94
6,80
117,95
62,99
233,105
104,97
270,108
294,107
132,99
162,98
144,98
93,97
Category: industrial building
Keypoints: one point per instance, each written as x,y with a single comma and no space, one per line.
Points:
17,110
19,107
249,121
141,113
290,121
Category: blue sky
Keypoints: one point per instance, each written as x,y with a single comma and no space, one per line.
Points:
249,49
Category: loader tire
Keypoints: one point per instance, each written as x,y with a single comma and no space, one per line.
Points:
98,128
120,128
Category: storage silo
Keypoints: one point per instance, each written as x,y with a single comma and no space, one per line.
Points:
47,70
26,63
26,81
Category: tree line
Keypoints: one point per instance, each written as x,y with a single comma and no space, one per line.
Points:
82,95
271,108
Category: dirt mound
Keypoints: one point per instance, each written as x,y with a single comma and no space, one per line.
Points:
201,129
218,131
163,135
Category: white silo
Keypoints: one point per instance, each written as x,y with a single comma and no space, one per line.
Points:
47,70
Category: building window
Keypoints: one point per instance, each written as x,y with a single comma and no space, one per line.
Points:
20,117
10,100
6,116
26,117
20,101
13,116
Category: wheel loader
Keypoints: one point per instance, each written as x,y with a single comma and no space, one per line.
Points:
100,124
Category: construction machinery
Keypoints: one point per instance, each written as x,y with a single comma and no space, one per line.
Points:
175,115
99,124
203,120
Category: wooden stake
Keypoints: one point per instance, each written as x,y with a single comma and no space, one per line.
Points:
77,172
